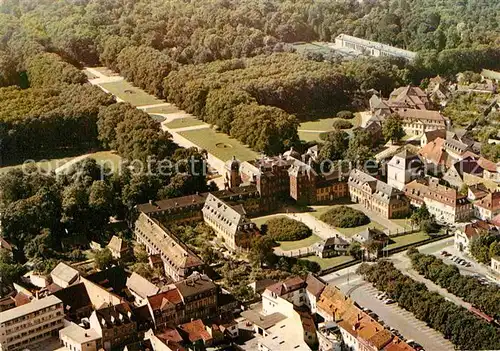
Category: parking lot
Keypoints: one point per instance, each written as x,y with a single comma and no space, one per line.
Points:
402,321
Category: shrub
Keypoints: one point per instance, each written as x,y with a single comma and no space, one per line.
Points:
344,217
341,124
345,114
287,229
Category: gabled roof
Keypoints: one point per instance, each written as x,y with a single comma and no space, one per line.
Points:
74,297
488,165
435,153
490,202
117,244
165,300
287,286
421,115
65,273
195,331
120,314
315,285
477,228
194,285
141,286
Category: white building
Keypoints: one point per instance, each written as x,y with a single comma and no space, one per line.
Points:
76,338
487,207
403,168
463,237
141,288
372,48
64,275
495,264
31,323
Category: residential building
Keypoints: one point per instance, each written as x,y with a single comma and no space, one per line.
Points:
118,247
76,301
141,288
192,298
464,236
477,191
230,224
495,264
329,337
64,275
445,204
487,207
372,48
196,332
376,195
26,325
75,338
179,261
409,97
491,170
455,175
330,247
403,168
116,325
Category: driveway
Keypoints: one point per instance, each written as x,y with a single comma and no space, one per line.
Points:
393,227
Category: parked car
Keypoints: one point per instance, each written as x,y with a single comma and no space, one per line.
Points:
381,295
389,301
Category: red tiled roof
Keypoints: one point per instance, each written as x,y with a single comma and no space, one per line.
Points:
490,202
196,331
487,164
169,335
158,301
287,286
477,228
434,152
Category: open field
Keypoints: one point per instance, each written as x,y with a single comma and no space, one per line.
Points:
329,262
309,136
325,124
220,145
294,245
185,122
166,109
407,239
133,95
108,159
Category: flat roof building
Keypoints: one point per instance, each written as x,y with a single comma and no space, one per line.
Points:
372,48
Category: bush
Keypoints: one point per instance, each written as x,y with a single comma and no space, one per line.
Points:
345,114
344,217
341,124
287,229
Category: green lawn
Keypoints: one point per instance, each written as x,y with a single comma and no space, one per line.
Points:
46,165
133,95
407,239
108,159
309,136
329,262
325,124
166,109
220,145
185,122
294,245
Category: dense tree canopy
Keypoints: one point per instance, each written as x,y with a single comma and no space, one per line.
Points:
287,229
344,217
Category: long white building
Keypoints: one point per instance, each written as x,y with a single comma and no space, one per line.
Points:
372,48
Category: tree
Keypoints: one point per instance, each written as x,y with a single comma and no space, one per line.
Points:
287,229
261,251
344,217
103,259
420,215
392,128
335,146
354,250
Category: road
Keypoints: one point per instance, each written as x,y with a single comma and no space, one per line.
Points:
364,294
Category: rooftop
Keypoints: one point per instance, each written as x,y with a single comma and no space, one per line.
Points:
78,334
376,45
65,273
28,308
141,286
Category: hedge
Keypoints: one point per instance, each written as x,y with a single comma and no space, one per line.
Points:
344,217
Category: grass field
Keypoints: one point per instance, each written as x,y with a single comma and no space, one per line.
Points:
108,158
309,136
46,166
325,124
407,239
133,95
294,245
185,122
166,109
329,262
405,223
219,144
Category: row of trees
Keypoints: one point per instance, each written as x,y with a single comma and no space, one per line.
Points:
460,326
484,247
467,287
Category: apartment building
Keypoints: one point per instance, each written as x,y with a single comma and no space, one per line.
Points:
75,338
445,204
230,224
178,260
376,195
31,323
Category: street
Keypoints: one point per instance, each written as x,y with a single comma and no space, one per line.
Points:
364,294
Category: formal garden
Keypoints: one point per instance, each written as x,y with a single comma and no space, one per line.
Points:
131,94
